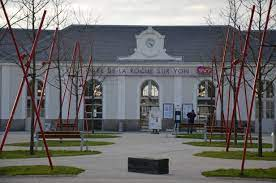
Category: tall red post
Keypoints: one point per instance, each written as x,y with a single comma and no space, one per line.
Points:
259,63
83,90
244,55
49,62
25,72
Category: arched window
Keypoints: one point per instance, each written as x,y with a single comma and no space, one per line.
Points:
205,98
206,89
93,112
38,89
268,100
149,99
150,89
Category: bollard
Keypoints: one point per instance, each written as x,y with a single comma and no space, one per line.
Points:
121,126
273,142
205,133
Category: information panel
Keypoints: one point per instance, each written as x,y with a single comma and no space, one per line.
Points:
186,108
168,110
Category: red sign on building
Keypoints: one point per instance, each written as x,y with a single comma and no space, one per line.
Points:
204,70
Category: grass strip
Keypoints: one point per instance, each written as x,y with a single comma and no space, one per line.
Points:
101,135
269,173
64,143
222,144
267,156
21,154
39,170
214,136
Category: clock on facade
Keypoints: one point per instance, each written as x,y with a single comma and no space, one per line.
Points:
150,43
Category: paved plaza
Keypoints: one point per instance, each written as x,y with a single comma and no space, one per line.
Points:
111,165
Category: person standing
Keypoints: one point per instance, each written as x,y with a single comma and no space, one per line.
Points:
191,119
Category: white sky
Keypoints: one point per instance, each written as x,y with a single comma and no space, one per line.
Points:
151,12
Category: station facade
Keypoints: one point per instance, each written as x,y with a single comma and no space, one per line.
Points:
136,69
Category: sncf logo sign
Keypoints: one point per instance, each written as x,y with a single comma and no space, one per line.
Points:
204,70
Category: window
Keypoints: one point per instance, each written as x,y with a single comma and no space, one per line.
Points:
150,89
206,89
205,99
93,112
268,101
38,89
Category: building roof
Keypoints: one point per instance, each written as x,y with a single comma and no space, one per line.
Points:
108,42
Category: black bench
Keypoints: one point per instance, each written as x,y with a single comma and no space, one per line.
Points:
147,165
62,135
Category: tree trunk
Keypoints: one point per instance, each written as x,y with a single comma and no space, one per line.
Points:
77,96
59,81
33,86
235,117
260,116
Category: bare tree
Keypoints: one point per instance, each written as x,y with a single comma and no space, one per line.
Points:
31,11
237,15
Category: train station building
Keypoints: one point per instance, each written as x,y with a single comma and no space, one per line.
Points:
136,70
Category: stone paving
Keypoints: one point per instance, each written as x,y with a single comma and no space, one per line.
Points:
111,165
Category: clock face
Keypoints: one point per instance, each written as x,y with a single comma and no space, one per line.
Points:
150,43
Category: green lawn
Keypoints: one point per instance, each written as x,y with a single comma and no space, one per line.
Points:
222,144
214,136
39,170
64,143
101,135
268,156
269,173
41,154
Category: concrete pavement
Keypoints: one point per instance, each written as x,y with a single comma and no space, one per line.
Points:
111,165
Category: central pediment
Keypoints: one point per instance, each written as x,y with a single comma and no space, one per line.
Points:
150,46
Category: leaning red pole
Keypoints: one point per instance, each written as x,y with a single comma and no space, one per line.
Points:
244,55
46,74
219,96
23,80
72,80
257,72
245,90
83,90
67,82
25,72
230,81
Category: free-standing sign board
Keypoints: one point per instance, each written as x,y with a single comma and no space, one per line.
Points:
168,111
155,119
186,108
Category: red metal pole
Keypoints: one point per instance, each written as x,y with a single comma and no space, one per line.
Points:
84,88
244,55
81,65
259,63
46,74
230,82
25,72
221,74
239,113
72,80
245,91
219,96
246,102
67,82
23,80
70,98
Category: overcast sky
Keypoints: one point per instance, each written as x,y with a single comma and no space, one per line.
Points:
151,12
